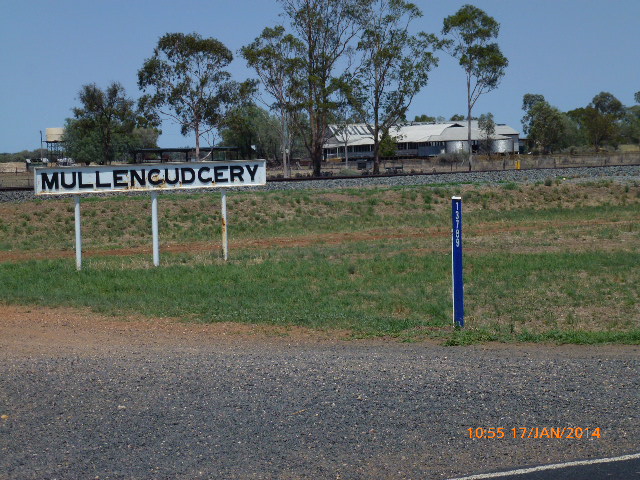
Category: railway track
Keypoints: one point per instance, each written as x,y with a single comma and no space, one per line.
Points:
373,178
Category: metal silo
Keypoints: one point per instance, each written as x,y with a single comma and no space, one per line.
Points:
457,146
503,145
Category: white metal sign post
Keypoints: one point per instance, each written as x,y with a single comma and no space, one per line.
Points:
154,228
78,235
225,238
152,178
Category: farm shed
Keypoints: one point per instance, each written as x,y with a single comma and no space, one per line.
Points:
418,139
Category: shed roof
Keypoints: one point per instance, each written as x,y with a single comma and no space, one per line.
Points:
358,134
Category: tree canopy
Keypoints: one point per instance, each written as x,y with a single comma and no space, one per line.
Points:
487,127
331,61
325,30
394,67
529,100
607,104
187,81
424,118
470,33
106,126
545,125
276,58
600,120
605,121
21,156
253,130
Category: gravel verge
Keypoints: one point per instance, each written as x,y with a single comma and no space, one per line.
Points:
623,174
278,408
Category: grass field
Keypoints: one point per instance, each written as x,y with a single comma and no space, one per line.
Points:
554,261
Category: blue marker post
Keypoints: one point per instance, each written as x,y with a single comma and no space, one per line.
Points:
456,261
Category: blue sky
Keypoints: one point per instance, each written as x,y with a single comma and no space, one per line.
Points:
567,50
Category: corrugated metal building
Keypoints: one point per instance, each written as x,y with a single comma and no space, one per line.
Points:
419,139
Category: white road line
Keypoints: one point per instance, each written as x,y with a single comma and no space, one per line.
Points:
556,466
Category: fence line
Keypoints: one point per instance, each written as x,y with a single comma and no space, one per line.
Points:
447,164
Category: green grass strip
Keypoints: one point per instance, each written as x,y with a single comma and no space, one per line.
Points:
549,297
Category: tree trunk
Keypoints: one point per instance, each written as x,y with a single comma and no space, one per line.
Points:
197,129
285,143
469,122
316,159
346,154
376,134
317,139
376,156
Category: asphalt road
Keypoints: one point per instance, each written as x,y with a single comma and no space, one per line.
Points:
120,405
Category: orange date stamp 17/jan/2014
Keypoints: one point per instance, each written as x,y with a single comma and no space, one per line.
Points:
566,433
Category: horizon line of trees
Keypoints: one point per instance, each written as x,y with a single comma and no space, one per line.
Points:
604,123
333,62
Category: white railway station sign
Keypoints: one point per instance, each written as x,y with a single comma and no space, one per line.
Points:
153,178
168,176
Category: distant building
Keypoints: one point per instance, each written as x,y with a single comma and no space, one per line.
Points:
419,140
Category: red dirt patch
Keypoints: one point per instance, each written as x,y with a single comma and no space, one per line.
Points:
474,231
32,330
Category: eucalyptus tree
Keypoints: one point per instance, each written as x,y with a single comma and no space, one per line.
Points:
103,128
607,104
545,125
600,120
487,127
424,118
394,67
326,31
471,33
548,127
529,100
276,58
253,130
630,124
187,81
